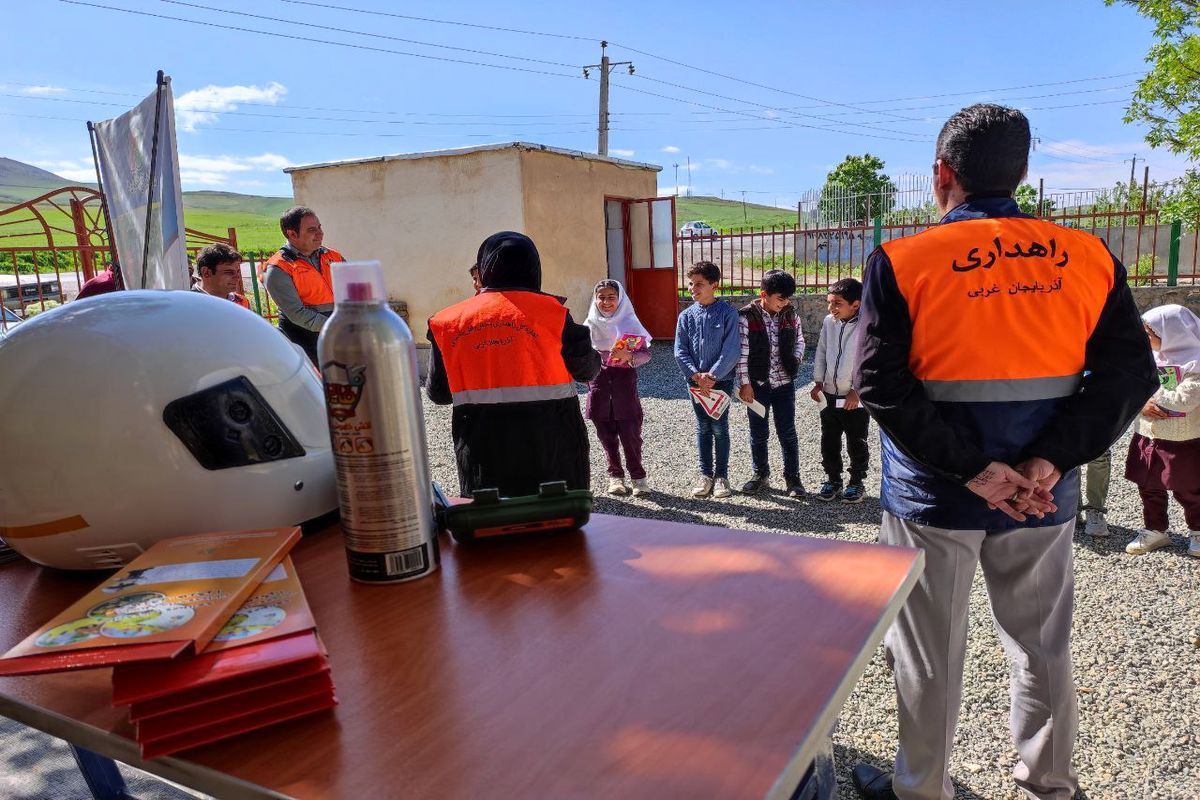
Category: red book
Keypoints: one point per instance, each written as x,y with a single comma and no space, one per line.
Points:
244,704
226,729
218,673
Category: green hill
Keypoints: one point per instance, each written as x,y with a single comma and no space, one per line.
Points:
725,214
256,218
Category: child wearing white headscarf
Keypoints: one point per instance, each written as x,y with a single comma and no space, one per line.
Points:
612,403
1164,454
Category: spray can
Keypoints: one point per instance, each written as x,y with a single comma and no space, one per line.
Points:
372,392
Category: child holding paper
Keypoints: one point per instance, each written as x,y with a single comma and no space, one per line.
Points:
1164,454
707,346
835,374
771,352
612,402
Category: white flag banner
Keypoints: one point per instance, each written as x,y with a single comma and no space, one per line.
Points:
125,145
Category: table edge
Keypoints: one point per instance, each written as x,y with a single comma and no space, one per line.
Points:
187,773
785,785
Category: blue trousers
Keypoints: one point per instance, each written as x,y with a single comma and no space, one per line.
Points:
713,435
780,403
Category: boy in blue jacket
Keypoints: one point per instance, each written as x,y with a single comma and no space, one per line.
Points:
707,346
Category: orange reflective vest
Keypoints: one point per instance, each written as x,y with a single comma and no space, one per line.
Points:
240,299
315,288
1001,308
503,347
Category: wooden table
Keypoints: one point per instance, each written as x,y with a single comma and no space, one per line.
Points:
634,659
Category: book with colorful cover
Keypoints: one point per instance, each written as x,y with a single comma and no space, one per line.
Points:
1169,378
170,601
264,632
628,342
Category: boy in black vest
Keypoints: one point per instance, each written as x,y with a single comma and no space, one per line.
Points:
772,349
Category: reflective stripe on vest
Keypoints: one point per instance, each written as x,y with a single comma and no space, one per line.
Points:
314,288
1001,308
503,347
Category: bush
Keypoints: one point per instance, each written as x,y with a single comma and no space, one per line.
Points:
33,309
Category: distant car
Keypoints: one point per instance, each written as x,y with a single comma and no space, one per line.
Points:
697,228
31,291
8,320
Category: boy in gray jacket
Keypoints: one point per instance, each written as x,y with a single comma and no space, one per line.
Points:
835,378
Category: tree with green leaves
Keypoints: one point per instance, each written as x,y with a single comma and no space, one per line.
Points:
857,190
1027,200
1167,98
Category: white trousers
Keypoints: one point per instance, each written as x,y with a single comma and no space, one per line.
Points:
1028,572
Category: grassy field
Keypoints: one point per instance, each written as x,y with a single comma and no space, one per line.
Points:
723,214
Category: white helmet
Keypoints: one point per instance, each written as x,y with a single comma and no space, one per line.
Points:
140,415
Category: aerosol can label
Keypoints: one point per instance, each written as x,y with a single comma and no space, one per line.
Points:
385,541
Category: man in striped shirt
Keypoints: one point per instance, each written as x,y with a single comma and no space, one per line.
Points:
772,349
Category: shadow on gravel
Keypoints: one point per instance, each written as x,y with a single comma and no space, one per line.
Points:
845,759
1118,537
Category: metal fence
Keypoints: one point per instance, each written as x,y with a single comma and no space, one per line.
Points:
33,279
1153,252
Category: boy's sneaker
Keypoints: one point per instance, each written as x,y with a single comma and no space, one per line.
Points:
640,487
794,487
1095,524
1194,544
1147,541
617,486
721,488
829,491
854,493
703,487
756,484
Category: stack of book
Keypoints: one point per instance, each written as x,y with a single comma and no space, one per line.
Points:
209,636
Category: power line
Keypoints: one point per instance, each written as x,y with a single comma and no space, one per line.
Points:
369,34
440,21
312,39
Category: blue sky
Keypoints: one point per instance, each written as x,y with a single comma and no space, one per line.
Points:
800,84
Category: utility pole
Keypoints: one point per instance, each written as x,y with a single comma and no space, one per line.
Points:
689,165
744,217
676,166
1132,170
604,66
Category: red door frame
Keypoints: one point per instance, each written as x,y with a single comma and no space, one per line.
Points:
654,291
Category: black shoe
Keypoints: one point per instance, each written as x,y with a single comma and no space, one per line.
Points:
854,493
829,491
756,484
872,783
794,487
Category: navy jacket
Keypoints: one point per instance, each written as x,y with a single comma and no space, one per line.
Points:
931,449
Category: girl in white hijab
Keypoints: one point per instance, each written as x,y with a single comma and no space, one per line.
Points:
1164,454
612,404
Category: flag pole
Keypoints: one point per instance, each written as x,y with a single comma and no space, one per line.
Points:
112,248
153,174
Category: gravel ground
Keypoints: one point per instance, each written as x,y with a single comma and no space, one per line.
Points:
1137,629
1136,645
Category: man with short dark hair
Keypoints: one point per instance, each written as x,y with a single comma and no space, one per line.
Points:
998,352
219,268
297,278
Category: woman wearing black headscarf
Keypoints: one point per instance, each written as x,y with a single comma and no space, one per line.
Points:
508,360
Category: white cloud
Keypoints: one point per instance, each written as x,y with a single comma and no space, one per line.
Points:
719,163
670,149
42,91
221,170
622,153
757,170
201,106
79,170
667,191
1077,164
